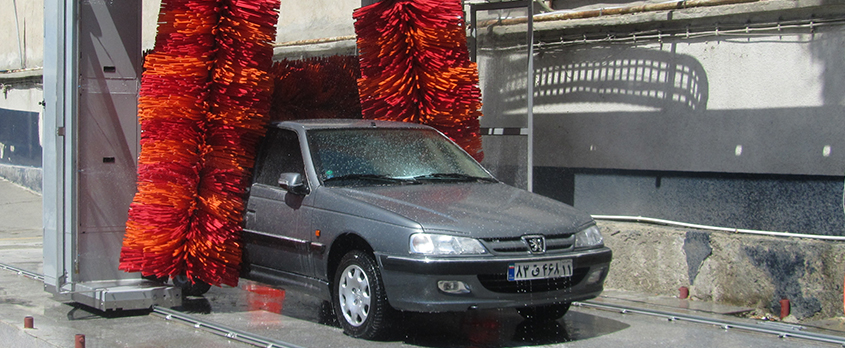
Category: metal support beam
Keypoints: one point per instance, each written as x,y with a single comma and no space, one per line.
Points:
530,99
60,69
473,45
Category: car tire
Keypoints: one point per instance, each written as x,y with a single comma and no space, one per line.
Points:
190,288
544,313
358,297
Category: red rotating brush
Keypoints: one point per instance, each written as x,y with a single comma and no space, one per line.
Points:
415,67
203,105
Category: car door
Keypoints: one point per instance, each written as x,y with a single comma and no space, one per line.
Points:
277,232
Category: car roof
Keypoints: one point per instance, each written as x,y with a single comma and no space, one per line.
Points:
346,124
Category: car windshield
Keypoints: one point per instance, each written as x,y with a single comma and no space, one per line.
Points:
382,156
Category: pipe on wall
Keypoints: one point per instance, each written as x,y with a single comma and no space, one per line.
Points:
715,228
664,6
316,41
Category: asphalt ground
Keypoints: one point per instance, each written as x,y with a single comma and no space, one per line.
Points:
302,321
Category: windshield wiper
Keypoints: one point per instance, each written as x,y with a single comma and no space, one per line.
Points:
367,177
454,177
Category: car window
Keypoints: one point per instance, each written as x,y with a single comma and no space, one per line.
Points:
280,153
388,153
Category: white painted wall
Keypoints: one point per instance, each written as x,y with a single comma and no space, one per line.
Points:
21,34
314,19
149,23
22,99
22,37
298,20
777,71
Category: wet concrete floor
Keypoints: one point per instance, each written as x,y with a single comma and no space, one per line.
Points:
304,321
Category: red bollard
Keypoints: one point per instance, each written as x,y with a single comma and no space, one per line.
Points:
27,322
684,292
80,341
784,308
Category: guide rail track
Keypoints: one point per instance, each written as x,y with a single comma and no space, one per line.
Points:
782,330
222,330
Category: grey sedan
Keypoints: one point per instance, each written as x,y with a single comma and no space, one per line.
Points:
380,217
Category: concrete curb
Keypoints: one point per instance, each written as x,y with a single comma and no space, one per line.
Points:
27,177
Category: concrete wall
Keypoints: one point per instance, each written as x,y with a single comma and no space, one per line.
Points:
745,270
298,20
20,128
149,23
764,102
22,95
25,176
22,41
736,123
304,20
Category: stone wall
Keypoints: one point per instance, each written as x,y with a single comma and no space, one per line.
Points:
731,268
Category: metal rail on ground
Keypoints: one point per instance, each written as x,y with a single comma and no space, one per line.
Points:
22,272
222,330
780,329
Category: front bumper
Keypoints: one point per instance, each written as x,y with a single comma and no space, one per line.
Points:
411,283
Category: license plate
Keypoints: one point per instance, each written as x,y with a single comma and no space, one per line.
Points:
539,270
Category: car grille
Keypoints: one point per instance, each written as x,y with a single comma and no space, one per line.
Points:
515,245
499,283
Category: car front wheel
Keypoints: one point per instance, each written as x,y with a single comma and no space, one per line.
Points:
544,313
359,299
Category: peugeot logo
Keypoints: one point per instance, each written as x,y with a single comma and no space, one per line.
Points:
536,244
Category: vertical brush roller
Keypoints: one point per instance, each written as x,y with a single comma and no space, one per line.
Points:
203,106
239,104
171,112
415,67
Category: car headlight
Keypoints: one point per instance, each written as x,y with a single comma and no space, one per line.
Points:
589,237
441,244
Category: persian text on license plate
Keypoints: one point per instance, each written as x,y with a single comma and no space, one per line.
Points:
539,270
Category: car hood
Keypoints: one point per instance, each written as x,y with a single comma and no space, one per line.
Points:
483,210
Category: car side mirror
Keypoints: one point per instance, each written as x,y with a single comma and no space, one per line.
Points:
293,183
